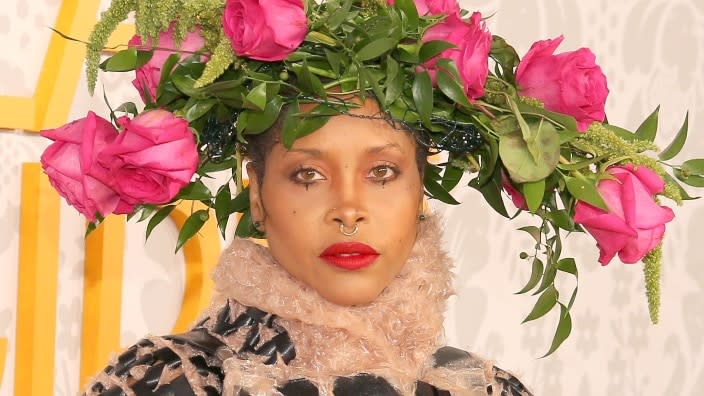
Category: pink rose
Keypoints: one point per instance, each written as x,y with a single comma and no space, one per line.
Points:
434,7
471,56
265,30
570,82
634,224
516,196
152,158
70,162
148,75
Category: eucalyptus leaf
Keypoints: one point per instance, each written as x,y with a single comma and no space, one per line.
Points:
536,273
649,128
520,162
545,303
677,143
585,190
564,328
423,96
191,226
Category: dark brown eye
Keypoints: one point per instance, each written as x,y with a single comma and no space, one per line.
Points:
382,173
308,175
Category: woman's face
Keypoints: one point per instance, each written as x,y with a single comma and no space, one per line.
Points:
354,172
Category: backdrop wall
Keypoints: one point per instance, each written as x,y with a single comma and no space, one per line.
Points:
652,53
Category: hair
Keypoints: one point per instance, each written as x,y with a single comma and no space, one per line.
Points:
258,146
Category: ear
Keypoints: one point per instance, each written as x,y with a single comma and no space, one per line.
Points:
255,198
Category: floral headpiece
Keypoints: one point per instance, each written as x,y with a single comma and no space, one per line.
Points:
213,72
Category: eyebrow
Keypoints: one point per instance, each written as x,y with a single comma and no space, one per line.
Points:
371,150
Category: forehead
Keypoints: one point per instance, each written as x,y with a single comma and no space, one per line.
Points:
364,129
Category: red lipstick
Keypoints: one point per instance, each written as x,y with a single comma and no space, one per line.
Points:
349,255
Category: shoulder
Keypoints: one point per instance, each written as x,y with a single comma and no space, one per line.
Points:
453,367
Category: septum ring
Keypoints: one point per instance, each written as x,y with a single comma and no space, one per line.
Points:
345,233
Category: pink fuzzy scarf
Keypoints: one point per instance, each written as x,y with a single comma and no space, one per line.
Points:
394,336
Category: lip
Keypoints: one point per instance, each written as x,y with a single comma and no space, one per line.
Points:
349,255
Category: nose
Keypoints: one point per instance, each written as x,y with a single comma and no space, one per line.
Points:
348,207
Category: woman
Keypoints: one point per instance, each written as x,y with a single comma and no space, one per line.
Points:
347,300
338,104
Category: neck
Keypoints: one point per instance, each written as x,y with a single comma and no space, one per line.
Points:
393,336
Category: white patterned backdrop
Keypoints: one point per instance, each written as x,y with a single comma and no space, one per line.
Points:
652,53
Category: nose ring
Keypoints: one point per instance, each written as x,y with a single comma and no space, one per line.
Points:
345,233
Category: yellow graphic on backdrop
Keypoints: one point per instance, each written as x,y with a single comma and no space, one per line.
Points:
37,284
3,352
50,104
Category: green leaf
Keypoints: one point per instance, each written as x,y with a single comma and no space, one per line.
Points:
309,82
128,108
339,15
520,161
334,60
585,190
451,177
158,217
365,74
535,275
567,122
677,143
429,49
394,81
376,48
649,128
408,8
534,192
194,191
548,276
260,121
688,179
297,124
568,265
437,191
683,193
245,228
694,166
423,96
191,226
257,96
126,60
451,86
240,203
222,208
533,231
491,191
146,211
198,109
564,328
545,303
